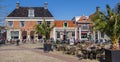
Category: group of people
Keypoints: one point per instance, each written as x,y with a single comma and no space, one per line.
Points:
70,41
17,41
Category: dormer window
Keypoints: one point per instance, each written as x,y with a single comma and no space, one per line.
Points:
65,24
31,12
84,18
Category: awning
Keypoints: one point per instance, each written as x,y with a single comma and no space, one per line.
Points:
84,32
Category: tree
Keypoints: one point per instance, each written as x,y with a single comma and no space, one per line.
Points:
44,29
109,24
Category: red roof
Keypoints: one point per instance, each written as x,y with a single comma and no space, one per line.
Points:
59,23
83,19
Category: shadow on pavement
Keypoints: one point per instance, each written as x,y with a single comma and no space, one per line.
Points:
39,48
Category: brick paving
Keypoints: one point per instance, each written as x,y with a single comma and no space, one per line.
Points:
58,56
62,57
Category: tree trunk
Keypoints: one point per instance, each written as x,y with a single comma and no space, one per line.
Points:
115,44
47,36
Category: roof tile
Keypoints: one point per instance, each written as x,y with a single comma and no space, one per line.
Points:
23,12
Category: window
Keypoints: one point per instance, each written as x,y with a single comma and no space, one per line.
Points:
84,18
102,35
58,34
48,22
39,22
96,35
73,33
22,23
31,12
83,35
10,23
84,26
65,24
14,35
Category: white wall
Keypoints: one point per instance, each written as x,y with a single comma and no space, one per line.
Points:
62,29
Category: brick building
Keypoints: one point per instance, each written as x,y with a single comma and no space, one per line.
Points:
21,21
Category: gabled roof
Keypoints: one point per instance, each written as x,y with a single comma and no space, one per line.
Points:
60,23
83,18
23,12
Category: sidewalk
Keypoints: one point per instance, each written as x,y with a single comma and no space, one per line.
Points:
22,53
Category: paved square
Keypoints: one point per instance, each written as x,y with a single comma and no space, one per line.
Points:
29,53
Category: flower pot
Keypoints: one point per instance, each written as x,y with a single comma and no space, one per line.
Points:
112,55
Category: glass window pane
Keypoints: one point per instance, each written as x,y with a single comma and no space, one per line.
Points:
48,22
73,33
83,35
31,13
22,23
39,22
102,35
10,23
58,34
14,35
84,26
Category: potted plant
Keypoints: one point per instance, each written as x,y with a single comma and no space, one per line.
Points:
44,29
110,25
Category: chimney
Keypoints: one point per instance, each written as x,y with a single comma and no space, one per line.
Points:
98,9
45,5
17,5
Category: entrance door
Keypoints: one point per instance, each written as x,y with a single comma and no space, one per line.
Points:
32,35
39,36
24,35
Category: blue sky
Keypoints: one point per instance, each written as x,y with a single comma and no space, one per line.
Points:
63,9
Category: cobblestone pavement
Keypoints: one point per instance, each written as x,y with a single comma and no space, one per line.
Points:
32,53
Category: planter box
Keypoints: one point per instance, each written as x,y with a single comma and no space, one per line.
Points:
112,55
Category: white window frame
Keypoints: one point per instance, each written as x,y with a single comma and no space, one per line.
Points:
84,25
31,12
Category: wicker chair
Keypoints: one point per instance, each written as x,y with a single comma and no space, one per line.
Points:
99,53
